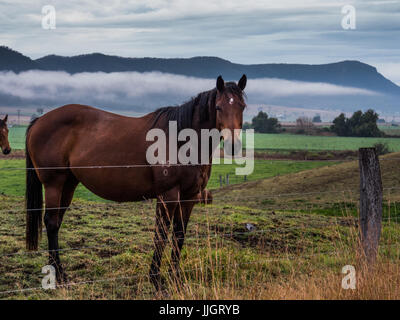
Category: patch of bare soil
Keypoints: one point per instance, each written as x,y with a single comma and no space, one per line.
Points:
15,154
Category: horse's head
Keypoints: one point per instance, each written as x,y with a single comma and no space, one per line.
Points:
230,104
4,144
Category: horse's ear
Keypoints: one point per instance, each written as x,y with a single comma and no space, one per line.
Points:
242,82
5,118
220,84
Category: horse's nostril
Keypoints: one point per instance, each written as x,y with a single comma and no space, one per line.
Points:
6,151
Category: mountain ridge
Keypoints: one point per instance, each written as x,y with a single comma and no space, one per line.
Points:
351,73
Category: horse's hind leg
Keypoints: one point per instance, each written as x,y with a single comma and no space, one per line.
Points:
53,195
181,219
67,195
58,197
164,214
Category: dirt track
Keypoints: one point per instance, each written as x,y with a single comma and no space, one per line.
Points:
15,154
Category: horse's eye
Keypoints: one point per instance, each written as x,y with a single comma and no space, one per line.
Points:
218,108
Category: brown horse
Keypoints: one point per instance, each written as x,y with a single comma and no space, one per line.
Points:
107,154
4,144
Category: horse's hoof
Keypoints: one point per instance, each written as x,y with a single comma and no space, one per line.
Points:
61,275
63,278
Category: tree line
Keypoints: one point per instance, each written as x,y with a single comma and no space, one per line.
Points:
360,124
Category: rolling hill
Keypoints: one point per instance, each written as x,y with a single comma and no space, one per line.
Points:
377,91
344,73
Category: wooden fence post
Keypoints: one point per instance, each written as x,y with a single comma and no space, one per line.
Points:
220,181
227,179
370,203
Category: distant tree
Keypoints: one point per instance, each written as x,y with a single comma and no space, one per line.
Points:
340,126
317,119
304,125
359,125
246,125
264,124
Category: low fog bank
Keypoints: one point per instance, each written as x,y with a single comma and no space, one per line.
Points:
139,93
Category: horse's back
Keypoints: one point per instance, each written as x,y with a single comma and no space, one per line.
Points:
81,138
54,133
73,114
80,122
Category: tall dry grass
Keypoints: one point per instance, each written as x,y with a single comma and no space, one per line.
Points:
220,267
215,272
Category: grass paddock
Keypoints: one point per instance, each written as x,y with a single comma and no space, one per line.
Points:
305,230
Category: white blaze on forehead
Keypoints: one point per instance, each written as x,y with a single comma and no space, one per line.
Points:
231,101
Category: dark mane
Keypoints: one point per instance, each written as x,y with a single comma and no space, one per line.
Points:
183,114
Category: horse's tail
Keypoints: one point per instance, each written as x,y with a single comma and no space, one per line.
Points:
33,200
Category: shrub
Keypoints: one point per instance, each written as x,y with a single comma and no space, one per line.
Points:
264,124
359,125
382,148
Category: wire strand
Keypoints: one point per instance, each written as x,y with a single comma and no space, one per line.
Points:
129,166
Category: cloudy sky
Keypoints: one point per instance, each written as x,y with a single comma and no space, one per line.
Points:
254,31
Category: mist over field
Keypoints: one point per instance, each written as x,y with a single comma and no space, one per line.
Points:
143,92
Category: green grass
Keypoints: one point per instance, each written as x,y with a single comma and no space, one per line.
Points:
12,181
303,142
309,232
262,169
119,241
307,218
16,137
390,130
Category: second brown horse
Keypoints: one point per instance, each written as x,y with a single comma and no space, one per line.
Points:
4,144
80,144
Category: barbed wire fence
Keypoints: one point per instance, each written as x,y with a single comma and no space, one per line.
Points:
231,235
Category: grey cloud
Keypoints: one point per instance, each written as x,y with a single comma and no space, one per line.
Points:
237,30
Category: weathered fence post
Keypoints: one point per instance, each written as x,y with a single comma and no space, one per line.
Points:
220,181
227,179
370,203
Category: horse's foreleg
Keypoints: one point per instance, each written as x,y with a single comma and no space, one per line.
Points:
181,219
53,223
164,212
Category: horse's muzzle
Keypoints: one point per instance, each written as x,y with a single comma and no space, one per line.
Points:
6,151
